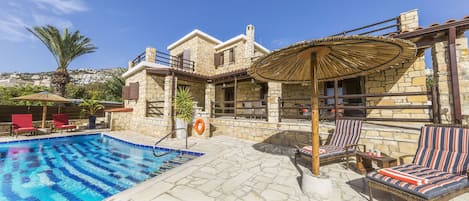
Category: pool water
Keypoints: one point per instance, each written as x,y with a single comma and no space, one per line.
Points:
86,167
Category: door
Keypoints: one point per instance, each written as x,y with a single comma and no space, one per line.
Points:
229,100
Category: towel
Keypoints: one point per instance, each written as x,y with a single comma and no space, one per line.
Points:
402,176
310,150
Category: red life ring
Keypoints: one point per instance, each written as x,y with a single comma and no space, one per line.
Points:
199,126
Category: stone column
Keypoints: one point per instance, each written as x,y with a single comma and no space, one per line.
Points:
443,78
409,21
209,97
168,102
150,55
273,94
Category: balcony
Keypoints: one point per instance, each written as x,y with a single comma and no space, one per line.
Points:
153,56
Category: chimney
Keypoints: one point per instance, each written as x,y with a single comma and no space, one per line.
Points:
249,51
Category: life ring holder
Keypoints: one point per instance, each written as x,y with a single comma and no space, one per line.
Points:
199,126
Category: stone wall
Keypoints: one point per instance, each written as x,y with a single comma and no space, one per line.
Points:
441,62
383,138
202,51
241,61
398,80
197,90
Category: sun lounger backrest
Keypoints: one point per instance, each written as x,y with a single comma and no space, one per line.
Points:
60,119
22,120
346,132
443,148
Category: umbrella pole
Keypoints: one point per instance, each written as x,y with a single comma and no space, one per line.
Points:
44,112
314,115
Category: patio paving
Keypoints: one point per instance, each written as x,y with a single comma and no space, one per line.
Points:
235,169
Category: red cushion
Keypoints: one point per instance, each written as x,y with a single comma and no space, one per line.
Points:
22,120
60,120
21,130
66,126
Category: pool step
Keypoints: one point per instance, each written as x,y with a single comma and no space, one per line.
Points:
190,157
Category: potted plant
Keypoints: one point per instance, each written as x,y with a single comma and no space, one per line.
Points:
184,111
90,107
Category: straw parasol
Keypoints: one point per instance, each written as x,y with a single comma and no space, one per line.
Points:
43,97
331,58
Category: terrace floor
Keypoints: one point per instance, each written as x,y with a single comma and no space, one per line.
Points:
234,169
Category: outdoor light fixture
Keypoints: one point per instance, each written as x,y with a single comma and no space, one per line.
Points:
253,80
224,85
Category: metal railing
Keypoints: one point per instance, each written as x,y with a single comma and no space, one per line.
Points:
300,108
252,109
167,60
384,28
159,141
154,108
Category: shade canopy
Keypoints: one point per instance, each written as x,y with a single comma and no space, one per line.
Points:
43,97
338,57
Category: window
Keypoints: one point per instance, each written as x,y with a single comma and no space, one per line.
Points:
219,59
232,55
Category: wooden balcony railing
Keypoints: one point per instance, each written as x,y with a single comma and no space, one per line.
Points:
252,109
154,108
382,28
167,60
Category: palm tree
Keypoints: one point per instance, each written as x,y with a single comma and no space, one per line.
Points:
64,47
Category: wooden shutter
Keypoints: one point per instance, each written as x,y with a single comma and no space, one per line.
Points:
186,55
216,58
125,92
133,92
222,58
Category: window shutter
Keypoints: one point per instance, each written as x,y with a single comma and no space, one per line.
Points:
125,92
216,57
222,58
133,94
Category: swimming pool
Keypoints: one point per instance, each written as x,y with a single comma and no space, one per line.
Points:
84,167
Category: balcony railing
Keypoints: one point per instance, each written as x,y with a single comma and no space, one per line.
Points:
167,60
252,109
154,108
382,28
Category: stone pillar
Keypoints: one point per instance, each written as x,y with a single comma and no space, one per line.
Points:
440,59
150,55
130,64
409,21
249,46
273,94
209,97
168,103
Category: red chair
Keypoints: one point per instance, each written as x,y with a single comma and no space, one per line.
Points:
61,122
22,123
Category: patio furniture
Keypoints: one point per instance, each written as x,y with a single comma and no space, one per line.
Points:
342,144
364,161
60,122
442,158
22,123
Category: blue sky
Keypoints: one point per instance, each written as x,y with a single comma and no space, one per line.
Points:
123,28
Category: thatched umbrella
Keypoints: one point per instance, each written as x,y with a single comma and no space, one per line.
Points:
43,97
328,59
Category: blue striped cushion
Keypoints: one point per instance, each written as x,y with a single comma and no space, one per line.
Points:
439,182
444,149
346,132
331,150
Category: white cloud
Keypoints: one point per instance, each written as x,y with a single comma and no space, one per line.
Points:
62,6
61,23
12,29
15,15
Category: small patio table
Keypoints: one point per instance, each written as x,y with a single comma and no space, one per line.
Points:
364,161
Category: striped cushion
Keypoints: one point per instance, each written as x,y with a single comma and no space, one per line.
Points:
346,132
328,150
439,182
402,176
444,149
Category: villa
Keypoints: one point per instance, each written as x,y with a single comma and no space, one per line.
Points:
234,104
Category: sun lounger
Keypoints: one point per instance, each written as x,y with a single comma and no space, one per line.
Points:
22,123
343,143
61,122
442,159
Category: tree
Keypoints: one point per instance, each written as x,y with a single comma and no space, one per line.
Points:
114,86
65,48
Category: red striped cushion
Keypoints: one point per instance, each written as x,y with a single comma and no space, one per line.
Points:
445,149
402,176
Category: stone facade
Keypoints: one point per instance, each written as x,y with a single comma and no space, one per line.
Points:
409,21
441,62
201,51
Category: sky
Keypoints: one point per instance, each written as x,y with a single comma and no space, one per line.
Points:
121,29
